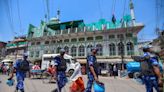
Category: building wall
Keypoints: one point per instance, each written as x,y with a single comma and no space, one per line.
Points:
2,50
43,48
16,48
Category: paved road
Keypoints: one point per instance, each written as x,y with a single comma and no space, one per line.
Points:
111,85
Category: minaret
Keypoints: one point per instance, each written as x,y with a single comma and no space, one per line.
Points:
58,15
132,13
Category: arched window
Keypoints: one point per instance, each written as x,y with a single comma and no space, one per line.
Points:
66,48
89,48
112,49
121,49
58,50
37,54
130,48
73,51
100,49
46,52
81,50
52,52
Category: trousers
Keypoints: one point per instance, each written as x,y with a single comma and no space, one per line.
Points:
20,83
150,83
61,80
89,83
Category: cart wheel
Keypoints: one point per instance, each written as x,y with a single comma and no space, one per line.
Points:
46,77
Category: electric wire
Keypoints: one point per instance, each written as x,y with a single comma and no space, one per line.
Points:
20,23
113,6
9,17
100,9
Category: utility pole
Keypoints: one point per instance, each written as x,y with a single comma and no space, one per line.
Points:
122,53
16,50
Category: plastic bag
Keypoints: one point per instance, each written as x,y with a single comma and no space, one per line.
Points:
78,85
99,87
10,82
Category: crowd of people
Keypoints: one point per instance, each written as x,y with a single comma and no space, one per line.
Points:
150,72
6,69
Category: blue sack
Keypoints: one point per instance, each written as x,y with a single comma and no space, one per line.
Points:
98,87
10,82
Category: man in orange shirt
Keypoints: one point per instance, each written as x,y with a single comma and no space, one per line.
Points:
50,72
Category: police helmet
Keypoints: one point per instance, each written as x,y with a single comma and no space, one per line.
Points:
94,48
25,54
62,51
145,48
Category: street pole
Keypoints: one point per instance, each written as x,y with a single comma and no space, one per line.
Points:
122,59
16,50
122,55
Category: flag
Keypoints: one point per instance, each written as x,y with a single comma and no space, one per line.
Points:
113,19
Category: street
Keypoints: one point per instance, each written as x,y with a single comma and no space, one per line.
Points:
111,85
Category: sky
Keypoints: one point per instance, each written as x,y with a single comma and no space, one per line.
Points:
16,15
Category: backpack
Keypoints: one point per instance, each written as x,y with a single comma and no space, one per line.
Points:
24,66
62,64
147,68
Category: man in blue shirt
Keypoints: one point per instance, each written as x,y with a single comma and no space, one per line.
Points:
151,75
20,72
92,69
60,68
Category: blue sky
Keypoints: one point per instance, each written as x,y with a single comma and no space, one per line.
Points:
32,11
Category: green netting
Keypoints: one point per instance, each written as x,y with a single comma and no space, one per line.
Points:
109,25
127,18
31,27
11,44
52,27
81,25
38,32
98,26
102,21
62,27
22,43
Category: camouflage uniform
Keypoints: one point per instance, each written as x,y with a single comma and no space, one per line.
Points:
151,80
61,76
91,61
20,75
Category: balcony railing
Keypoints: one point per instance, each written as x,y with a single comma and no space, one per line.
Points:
73,30
58,32
89,28
65,31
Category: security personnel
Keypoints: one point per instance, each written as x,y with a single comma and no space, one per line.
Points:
92,69
20,72
60,68
150,70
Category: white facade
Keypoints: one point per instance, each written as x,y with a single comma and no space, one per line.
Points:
79,44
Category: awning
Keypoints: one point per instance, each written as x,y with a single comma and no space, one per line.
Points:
83,61
7,60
